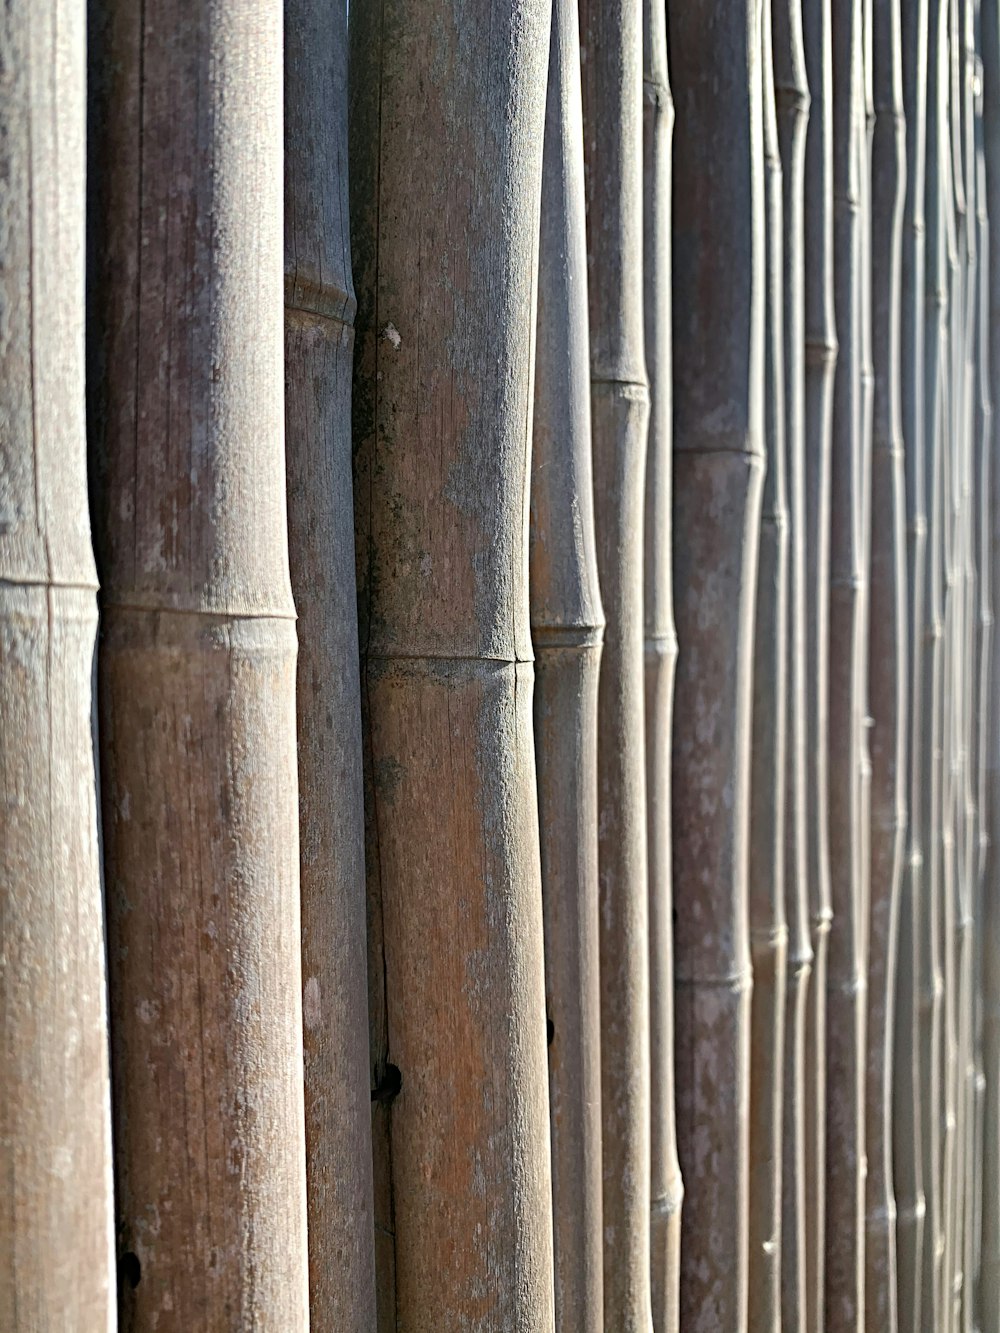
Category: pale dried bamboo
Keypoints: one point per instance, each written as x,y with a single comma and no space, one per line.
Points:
907,1109
567,623
793,102
718,356
667,1191
56,1251
319,352
197,665
611,52
845,979
821,352
447,119
766,895
887,671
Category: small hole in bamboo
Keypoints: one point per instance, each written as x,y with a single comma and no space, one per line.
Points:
389,1086
550,1028
131,1268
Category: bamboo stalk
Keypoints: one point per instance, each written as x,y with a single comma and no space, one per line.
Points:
447,119
567,622
887,664
611,53
821,353
56,1251
766,896
846,980
319,348
197,665
908,1111
793,103
667,1190
718,356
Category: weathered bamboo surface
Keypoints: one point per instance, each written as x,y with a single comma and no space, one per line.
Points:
56,1256
718,466
666,1186
567,622
319,348
641,708
197,666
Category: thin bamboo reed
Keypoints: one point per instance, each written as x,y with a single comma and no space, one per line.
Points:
611,50
821,351
845,979
667,1190
766,897
319,353
197,665
888,665
908,1111
567,622
718,357
792,103
56,1249
447,118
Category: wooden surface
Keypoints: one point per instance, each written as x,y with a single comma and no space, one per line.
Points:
197,665
56,1261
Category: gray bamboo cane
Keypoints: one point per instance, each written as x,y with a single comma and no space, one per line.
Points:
611,42
718,358
567,628
821,357
845,980
990,1239
931,973
319,348
907,1110
667,1190
792,101
766,897
887,663
197,665
56,1255
447,119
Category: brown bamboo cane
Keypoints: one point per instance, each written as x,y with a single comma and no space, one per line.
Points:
845,980
821,352
446,276
931,967
56,1256
567,622
667,1191
197,665
611,48
766,897
908,1111
989,1273
888,665
319,346
793,102
718,357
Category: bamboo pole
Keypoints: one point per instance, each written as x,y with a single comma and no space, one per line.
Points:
931,969
718,356
845,980
908,1111
319,347
667,1190
887,664
611,53
793,103
766,897
447,118
821,351
56,1252
567,622
197,665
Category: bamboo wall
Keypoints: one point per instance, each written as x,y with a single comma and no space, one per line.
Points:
499,725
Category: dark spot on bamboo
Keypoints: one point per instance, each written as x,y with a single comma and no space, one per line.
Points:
388,1087
131,1268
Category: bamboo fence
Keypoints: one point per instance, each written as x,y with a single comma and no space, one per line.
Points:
500,751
